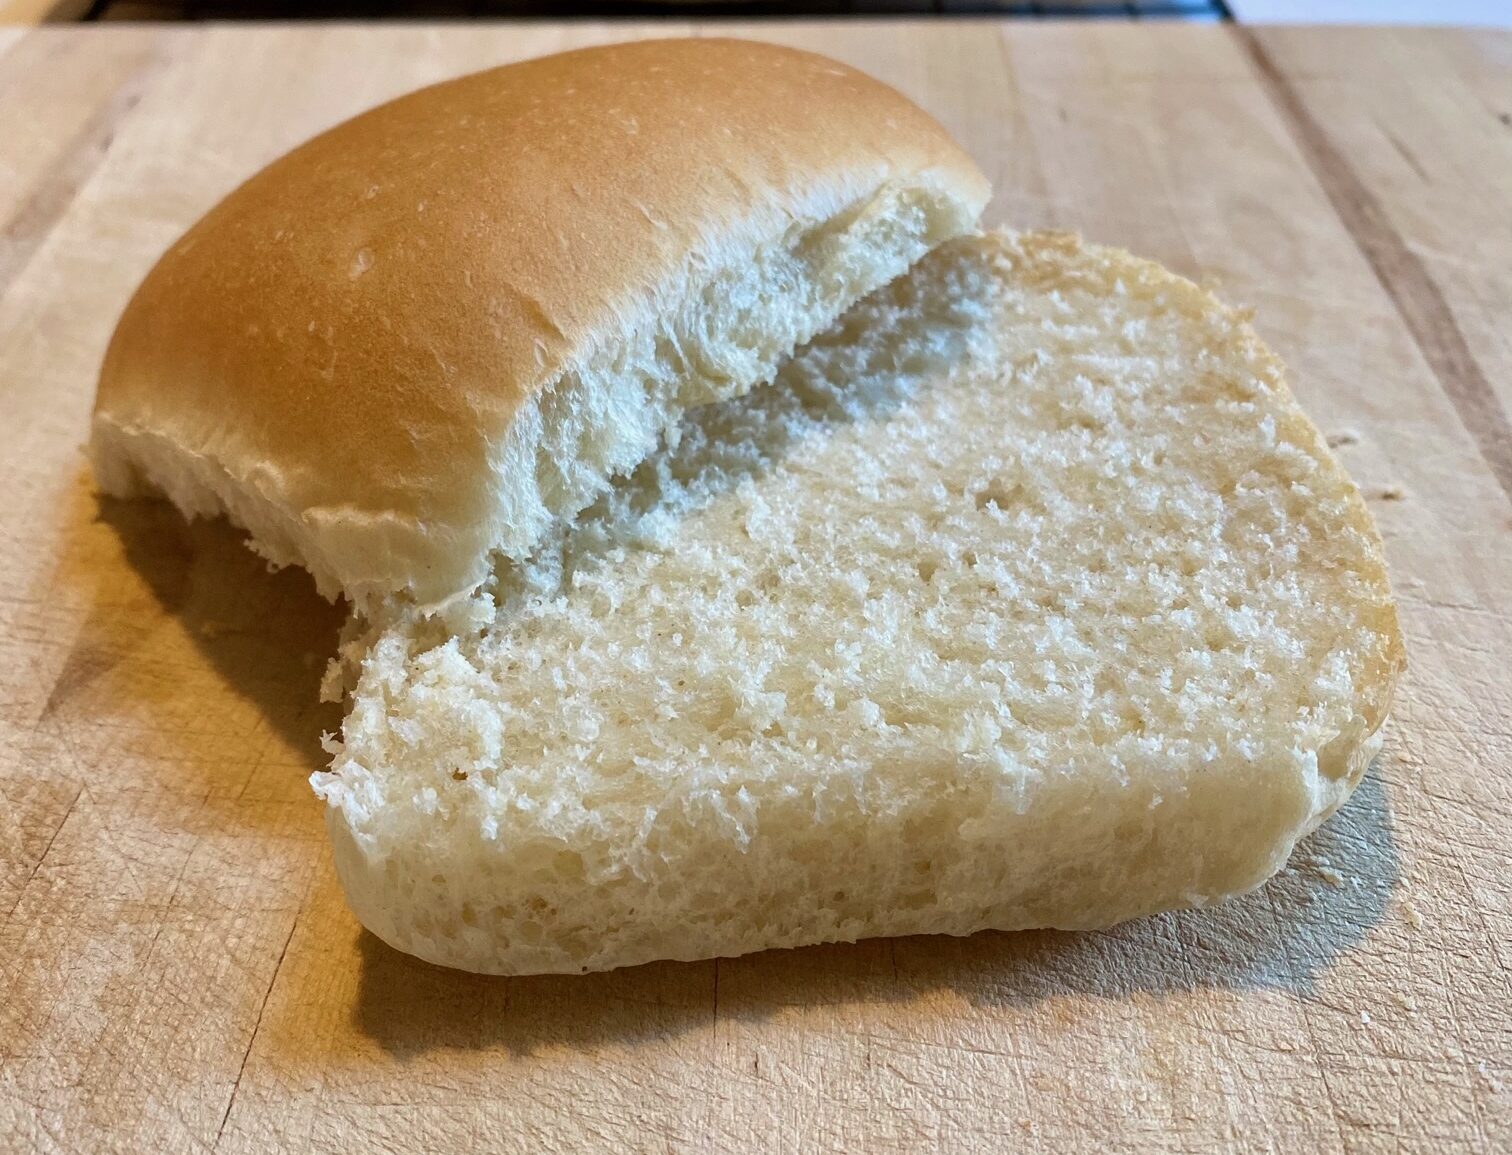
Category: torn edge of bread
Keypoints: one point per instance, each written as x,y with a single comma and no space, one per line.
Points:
1026,597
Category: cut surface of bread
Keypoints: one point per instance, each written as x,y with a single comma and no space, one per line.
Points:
421,339
1025,597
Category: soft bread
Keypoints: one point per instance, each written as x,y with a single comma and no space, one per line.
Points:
1025,597
416,342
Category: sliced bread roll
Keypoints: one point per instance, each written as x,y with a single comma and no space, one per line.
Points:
418,341
1026,597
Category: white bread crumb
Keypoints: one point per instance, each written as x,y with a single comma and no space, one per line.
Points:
1026,597
1414,916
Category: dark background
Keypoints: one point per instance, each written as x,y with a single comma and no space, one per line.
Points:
1206,10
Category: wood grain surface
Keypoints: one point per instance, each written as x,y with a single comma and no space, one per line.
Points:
178,971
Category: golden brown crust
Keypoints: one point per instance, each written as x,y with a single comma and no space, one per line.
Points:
347,334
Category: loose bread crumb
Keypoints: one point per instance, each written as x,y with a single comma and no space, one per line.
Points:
1414,916
1025,597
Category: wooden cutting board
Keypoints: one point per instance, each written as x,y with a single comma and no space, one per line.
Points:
177,968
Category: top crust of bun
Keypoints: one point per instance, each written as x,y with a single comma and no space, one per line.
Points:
421,338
